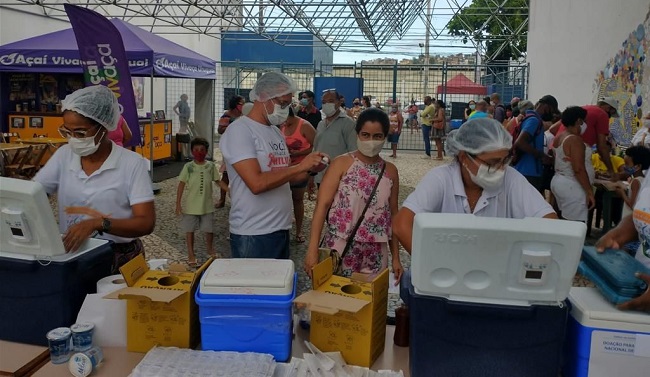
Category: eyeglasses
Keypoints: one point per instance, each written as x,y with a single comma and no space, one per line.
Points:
283,105
79,134
493,166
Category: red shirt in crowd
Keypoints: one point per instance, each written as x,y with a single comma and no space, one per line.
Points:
597,121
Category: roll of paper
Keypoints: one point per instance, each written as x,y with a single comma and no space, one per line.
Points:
110,284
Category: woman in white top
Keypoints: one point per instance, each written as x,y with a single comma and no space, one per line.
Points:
574,174
479,181
100,188
637,160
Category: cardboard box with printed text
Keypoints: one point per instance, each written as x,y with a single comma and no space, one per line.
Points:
160,306
348,314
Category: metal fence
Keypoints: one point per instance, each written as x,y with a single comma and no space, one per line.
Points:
386,84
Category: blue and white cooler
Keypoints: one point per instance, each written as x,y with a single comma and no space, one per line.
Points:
245,305
603,341
487,296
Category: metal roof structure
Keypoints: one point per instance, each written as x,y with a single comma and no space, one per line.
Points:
343,25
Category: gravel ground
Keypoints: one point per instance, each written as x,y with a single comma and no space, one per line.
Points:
168,241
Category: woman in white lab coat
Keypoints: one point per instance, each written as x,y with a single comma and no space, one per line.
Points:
479,181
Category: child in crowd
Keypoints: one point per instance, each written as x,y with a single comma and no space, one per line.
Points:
637,160
198,175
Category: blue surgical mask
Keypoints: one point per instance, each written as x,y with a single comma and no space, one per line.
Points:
304,101
630,170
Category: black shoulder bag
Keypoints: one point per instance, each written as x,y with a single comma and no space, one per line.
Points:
331,253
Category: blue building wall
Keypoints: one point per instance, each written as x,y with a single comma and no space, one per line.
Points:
290,48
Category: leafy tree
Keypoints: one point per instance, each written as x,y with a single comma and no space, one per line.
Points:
501,25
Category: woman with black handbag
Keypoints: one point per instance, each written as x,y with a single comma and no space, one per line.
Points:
358,198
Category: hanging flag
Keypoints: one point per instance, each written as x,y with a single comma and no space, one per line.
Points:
104,62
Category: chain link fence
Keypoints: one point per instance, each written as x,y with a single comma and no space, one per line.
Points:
454,84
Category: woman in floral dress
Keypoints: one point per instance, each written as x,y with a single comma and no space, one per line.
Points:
342,196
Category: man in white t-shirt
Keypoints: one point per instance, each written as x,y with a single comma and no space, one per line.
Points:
257,161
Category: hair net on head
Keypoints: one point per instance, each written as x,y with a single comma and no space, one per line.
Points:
271,85
478,136
95,102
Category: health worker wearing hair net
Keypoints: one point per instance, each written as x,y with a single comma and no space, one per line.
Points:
257,160
103,190
478,181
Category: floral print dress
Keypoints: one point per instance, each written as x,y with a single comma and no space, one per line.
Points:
369,251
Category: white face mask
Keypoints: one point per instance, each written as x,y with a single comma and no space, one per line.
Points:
472,107
370,148
329,109
583,128
278,116
84,146
486,179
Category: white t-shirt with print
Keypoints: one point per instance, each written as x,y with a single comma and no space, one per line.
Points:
442,191
269,211
121,182
641,216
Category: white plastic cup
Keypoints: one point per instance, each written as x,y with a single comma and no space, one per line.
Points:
60,345
82,364
82,336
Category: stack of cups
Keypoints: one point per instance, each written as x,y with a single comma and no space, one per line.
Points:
87,357
63,341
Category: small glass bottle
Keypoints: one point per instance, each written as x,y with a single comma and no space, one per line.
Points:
402,326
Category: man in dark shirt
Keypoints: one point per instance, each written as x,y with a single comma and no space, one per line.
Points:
499,109
308,111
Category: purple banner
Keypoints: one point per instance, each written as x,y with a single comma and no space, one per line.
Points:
104,62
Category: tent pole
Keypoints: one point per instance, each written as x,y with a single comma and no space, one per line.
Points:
155,187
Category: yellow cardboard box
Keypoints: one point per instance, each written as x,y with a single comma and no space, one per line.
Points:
348,314
160,307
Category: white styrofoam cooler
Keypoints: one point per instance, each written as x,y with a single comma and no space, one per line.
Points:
246,305
495,260
244,276
603,341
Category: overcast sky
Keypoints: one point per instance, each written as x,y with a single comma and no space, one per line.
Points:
408,47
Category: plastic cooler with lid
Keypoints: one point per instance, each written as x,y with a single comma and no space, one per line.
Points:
487,296
38,294
245,305
603,341
42,286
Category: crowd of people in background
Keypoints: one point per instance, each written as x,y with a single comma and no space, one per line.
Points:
517,159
